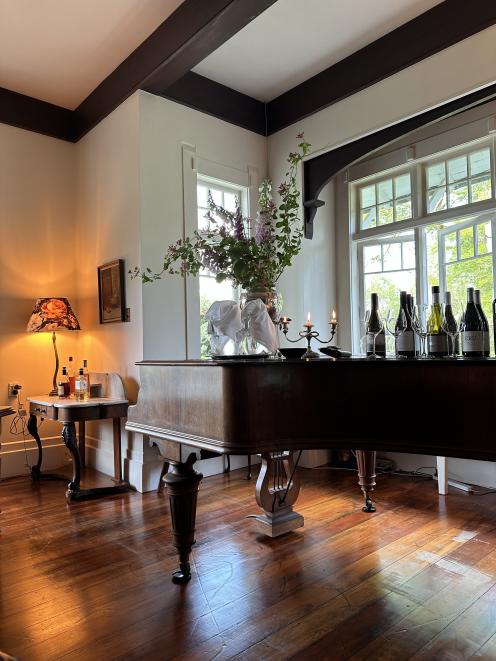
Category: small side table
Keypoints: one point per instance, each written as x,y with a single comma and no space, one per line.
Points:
68,412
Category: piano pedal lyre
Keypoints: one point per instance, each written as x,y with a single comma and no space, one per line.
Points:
277,489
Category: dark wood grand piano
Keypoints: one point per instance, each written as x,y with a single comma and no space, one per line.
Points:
277,407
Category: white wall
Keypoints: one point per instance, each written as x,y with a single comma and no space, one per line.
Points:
458,70
37,259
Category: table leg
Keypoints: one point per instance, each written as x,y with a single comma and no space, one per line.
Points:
277,489
366,476
36,474
442,476
116,424
82,442
183,482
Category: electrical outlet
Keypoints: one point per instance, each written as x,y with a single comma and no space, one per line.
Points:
13,389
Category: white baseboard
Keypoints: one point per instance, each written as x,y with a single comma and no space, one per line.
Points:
17,456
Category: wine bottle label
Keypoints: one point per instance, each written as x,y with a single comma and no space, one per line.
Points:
406,341
437,343
472,341
486,342
380,342
60,390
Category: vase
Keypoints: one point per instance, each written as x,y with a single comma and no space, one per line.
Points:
272,300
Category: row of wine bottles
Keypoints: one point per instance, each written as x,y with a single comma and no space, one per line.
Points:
439,331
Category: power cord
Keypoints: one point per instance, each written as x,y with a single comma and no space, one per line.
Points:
18,426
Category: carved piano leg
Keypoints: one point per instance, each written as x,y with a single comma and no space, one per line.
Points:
277,489
182,486
366,476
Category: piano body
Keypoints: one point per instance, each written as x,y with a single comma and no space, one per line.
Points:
275,408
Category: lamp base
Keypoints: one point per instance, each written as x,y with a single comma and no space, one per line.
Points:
52,393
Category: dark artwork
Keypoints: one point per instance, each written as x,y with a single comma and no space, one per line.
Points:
111,292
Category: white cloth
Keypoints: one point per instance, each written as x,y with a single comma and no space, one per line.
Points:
224,321
256,320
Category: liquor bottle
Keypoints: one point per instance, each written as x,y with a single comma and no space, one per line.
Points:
71,373
486,351
375,327
437,344
86,372
63,388
450,323
81,387
472,332
405,343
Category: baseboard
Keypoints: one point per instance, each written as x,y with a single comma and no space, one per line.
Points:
18,455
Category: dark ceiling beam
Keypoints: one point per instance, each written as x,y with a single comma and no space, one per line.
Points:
214,99
434,30
31,114
318,171
193,31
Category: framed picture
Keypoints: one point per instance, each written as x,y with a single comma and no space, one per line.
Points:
111,292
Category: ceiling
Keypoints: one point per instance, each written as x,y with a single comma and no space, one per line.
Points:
295,39
60,50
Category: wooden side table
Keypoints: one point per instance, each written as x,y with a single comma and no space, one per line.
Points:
68,412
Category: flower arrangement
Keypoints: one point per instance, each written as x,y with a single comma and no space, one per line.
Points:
252,255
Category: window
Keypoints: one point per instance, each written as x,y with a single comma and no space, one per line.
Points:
225,195
455,253
385,201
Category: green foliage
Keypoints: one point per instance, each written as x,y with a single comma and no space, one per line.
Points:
229,250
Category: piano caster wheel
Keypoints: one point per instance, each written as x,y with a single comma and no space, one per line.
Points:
369,506
182,575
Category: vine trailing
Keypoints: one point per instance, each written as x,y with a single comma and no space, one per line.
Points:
251,254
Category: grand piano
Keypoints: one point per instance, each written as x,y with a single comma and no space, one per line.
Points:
280,408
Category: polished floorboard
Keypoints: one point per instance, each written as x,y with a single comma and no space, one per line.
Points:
90,581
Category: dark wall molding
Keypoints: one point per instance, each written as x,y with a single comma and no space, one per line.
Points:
318,171
162,65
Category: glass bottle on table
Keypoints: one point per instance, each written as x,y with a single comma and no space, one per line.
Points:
71,373
472,332
63,387
81,387
486,351
405,341
437,340
86,372
374,328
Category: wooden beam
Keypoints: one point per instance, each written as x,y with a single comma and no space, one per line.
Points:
318,171
434,30
193,31
31,114
203,94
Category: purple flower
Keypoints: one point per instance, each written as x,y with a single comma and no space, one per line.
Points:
239,226
263,229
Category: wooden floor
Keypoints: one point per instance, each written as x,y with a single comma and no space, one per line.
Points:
90,581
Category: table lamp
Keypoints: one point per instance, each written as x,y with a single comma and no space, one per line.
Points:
50,315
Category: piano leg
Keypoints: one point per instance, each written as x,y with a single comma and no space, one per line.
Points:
182,486
277,489
366,476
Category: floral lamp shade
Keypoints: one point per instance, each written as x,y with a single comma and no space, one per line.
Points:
52,314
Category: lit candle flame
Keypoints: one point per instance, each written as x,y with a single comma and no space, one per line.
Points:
334,314
308,317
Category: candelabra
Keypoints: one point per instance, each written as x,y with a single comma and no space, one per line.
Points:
308,334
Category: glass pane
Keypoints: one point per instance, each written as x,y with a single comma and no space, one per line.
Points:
484,238
458,194
202,221
217,196
201,194
436,175
372,259
402,185
403,208
450,253
457,169
367,218
385,213
466,242
436,199
230,200
367,196
479,162
391,256
385,191
432,244
480,189
408,254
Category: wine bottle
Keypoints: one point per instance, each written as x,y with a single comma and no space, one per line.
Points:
71,373
486,351
81,387
450,323
375,327
63,388
405,343
472,332
437,344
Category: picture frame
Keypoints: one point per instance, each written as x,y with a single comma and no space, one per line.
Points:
111,292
